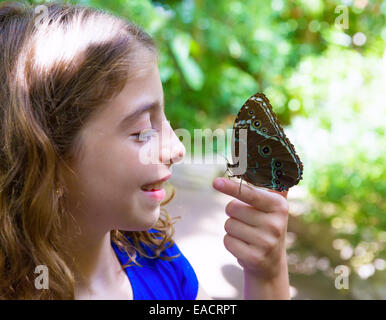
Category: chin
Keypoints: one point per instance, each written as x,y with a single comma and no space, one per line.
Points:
155,219
150,221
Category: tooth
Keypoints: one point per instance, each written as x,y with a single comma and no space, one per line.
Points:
156,186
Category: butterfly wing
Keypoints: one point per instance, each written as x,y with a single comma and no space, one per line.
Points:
270,165
271,159
264,103
258,111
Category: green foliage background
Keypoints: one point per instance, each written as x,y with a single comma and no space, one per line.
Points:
327,88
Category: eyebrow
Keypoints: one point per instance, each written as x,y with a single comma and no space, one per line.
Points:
138,112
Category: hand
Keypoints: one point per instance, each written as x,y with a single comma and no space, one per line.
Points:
256,228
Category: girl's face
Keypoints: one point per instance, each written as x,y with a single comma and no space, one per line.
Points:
110,170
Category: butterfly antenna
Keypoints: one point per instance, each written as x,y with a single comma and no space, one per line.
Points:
225,158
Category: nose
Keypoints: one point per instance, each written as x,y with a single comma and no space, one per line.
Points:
179,153
172,149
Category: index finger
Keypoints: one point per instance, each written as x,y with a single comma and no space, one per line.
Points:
264,200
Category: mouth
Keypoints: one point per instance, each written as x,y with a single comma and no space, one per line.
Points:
156,185
153,187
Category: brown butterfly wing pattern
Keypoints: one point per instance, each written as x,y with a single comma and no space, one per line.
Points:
271,159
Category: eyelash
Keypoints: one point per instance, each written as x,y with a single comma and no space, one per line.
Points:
151,132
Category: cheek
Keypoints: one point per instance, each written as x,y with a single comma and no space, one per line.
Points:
114,170
130,167
110,169
120,159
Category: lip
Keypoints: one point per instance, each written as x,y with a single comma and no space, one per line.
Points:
157,195
160,180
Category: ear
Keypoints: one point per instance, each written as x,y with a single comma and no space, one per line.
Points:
64,175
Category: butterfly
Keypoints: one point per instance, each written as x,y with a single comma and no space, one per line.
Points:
262,154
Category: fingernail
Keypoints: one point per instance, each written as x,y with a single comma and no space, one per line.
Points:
219,184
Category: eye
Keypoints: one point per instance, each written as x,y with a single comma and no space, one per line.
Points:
277,164
264,150
145,135
256,123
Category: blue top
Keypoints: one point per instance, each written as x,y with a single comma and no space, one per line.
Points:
160,279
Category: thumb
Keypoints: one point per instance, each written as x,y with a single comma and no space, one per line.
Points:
283,193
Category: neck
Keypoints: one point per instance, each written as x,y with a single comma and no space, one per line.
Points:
94,262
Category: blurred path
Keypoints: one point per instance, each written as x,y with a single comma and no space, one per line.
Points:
200,231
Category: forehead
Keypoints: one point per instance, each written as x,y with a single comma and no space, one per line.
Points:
141,89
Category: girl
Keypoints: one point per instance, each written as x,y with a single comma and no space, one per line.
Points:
79,87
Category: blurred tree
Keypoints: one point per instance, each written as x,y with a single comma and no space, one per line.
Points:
216,54
326,83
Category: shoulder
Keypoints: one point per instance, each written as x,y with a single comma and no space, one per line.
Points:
174,278
178,266
186,270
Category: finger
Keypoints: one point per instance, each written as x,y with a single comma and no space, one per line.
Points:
236,247
253,217
246,213
253,236
259,198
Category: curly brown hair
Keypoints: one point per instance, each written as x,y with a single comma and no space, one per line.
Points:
48,91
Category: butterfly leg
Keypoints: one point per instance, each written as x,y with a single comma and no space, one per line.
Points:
241,181
224,172
232,166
